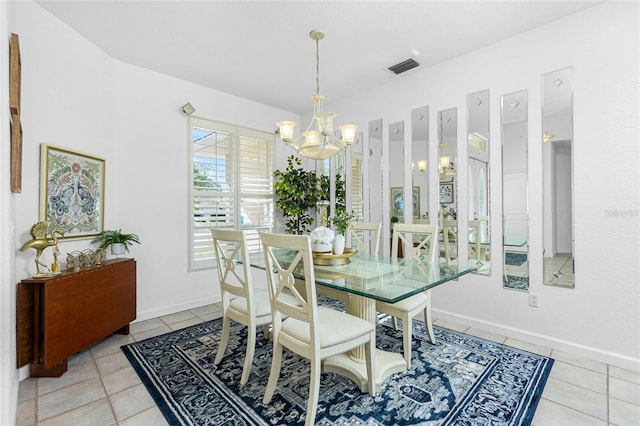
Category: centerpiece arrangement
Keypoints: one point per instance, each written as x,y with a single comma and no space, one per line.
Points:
299,191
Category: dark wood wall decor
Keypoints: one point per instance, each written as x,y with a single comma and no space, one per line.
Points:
61,315
15,70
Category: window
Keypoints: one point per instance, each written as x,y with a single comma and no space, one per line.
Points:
231,185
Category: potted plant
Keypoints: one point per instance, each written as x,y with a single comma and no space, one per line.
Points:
119,241
340,222
298,191
394,220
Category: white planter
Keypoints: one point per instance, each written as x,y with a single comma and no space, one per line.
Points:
117,249
338,244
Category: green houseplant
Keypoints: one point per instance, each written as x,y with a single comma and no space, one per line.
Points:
119,241
340,221
298,191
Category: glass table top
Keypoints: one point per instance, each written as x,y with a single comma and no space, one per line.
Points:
375,277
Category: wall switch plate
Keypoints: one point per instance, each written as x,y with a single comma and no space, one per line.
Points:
534,300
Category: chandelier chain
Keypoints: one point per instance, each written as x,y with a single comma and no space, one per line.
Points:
317,67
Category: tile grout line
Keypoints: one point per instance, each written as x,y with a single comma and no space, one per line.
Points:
608,397
106,392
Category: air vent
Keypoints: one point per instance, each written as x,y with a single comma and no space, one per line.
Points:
403,66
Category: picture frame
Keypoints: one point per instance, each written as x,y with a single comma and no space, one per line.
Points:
15,71
446,193
72,191
16,154
397,202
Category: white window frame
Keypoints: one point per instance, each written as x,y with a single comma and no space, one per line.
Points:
203,257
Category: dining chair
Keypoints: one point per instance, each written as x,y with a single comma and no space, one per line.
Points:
240,301
422,249
477,252
311,331
450,240
366,236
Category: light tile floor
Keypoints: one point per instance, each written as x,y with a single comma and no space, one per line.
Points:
101,388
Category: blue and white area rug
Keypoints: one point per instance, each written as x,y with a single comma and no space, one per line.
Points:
460,380
515,259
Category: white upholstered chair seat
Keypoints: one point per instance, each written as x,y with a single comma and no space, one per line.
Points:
412,303
261,300
335,328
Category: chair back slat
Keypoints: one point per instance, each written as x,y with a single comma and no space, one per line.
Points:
286,294
366,236
424,250
230,247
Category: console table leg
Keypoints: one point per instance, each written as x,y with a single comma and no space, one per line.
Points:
38,370
123,330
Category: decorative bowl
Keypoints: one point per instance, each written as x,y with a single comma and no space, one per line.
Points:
328,259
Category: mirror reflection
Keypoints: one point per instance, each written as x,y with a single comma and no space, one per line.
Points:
515,213
375,167
420,161
448,191
557,159
396,177
478,181
356,178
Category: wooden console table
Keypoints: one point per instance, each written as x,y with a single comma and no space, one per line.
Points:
62,315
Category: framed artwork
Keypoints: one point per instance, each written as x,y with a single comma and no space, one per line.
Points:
72,191
16,154
446,193
397,202
15,70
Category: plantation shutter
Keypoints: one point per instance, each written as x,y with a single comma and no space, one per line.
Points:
231,185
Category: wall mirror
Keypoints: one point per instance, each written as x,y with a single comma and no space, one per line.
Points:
515,204
396,178
448,190
355,177
557,161
478,181
419,163
375,167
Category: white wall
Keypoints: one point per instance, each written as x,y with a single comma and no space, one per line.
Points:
600,318
8,372
151,179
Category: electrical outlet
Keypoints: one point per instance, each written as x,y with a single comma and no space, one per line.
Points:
534,300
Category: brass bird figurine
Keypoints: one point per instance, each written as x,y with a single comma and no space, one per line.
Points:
40,241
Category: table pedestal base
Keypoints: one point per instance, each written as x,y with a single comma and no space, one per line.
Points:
355,369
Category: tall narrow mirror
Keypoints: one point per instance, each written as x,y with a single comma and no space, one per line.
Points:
419,163
557,160
396,166
375,168
515,204
448,195
478,181
356,179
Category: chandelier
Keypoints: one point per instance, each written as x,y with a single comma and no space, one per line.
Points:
319,143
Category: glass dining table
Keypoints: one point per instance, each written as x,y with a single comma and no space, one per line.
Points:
367,279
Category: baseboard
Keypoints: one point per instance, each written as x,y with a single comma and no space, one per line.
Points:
172,309
596,354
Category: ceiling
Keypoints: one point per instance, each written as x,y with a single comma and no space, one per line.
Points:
261,50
